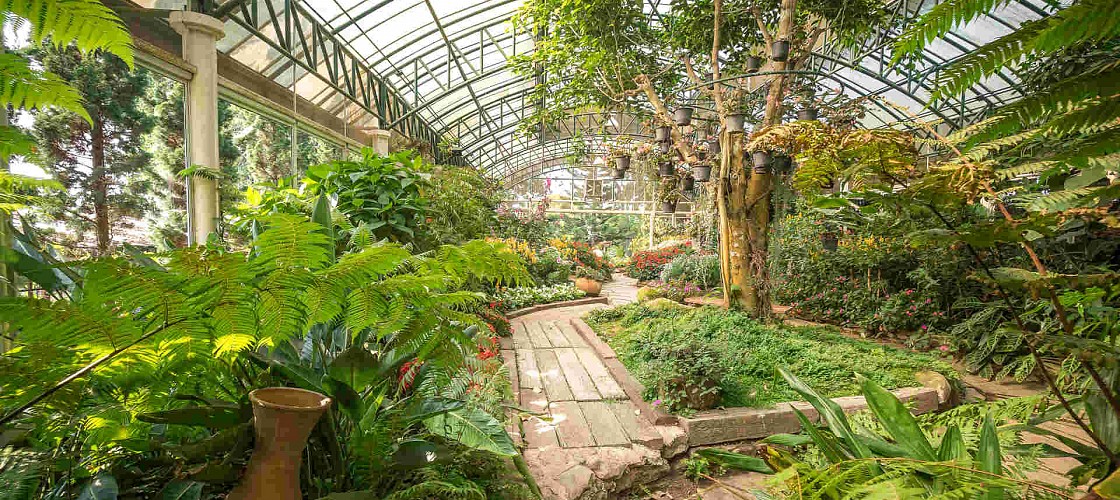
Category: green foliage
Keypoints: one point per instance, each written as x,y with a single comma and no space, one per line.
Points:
460,206
699,269
510,299
742,354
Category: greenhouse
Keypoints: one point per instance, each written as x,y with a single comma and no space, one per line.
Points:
559,249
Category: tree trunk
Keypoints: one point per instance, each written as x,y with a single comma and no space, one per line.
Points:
99,185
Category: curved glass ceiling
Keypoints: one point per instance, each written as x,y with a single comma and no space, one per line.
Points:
433,69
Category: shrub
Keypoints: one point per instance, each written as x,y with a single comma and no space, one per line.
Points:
674,290
699,269
646,265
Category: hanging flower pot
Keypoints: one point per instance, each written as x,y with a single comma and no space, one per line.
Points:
665,169
622,162
735,123
283,418
713,146
668,206
661,133
619,174
829,241
782,164
779,51
664,147
688,183
683,116
754,63
702,173
761,161
807,114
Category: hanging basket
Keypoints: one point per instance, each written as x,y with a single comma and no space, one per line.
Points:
622,162
661,134
668,206
683,116
702,173
830,241
688,184
665,169
754,63
735,123
619,174
779,51
782,164
713,147
664,147
761,161
807,114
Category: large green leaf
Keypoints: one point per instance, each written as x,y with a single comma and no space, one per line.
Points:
473,428
830,412
952,445
215,417
989,457
829,446
737,461
356,366
897,420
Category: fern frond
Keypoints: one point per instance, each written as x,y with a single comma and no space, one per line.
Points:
939,21
292,241
1083,21
984,61
89,24
25,88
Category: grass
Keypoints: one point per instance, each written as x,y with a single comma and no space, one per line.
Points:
741,354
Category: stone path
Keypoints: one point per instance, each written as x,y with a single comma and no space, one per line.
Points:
621,290
585,438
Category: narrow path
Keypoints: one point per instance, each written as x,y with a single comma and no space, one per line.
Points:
585,439
621,290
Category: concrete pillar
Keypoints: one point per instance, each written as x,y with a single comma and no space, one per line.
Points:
200,34
380,141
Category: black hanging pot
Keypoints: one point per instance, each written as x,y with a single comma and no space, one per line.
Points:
754,63
664,147
807,114
735,123
683,116
619,174
622,162
702,173
779,51
713,146
668,206
661,133
688,183
830,241
665,169
782,164
761,161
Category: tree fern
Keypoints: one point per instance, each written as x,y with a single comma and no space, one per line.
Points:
25,88
939,21
88,24
985,61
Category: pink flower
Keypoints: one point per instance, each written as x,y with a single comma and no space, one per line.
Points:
924,327
944,348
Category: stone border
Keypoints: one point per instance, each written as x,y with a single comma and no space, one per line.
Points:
602,299
630,385
741,424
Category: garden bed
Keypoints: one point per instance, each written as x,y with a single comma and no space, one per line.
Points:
662,345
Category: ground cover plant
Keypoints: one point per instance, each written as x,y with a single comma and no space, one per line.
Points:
662,345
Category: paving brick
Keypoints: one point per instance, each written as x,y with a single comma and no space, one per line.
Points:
578,379
605,427
529,376
552,376
509,361
555,336
574,338
537,335
520,336
638,429
571,426
602,378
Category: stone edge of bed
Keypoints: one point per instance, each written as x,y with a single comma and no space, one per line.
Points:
553,305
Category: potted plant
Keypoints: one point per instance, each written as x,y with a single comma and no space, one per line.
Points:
683,116
619,174
779,50
702,172
688,183
713,144
761,162
665,168
589,280
661,133
754,63
807,114
668,195
735,123
782,163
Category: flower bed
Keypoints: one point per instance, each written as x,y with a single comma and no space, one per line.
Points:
510,299
735,357
646,265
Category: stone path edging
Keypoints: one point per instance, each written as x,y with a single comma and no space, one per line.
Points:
553,305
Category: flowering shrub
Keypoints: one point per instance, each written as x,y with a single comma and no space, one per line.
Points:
519,247
676,290
646,265
700,268
907,311
580,254
509,299
498,322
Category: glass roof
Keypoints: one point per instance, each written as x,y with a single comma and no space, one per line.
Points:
433,69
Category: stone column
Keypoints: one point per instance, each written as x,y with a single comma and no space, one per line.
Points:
380,141
200,33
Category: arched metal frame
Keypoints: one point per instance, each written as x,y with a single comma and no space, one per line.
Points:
439,69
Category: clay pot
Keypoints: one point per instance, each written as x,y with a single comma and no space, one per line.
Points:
761,161
779,50
661,134
589,286
688,184
807,114
669,207
735,123
713,147
283,418
702,173
619,174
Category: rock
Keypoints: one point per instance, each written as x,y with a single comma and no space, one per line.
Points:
947,395
574,482
675,440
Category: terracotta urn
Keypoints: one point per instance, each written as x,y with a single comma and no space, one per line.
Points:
283,418
589,286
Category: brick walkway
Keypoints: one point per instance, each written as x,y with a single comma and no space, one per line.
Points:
585,433
621,290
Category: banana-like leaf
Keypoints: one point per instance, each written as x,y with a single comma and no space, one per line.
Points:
830,412
831,448
1109,488
952,445
356,366
989,456
791,440
473,428
897,420
737,461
